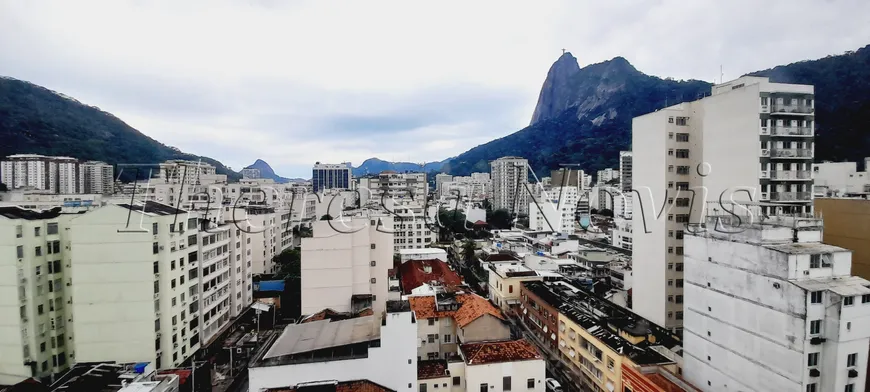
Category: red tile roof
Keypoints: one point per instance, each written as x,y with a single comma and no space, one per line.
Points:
415,273
472,306
494,352
431,369
344,386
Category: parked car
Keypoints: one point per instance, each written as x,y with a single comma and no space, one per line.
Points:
553,385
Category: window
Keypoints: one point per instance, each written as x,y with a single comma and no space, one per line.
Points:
683,186
506,383
431,338
423,387
447,338
530,383
42,347
679,315
610,363
19,250
457,381
36,231
682,153
682,170
484,387
852,359
848,301
155,248
671,152
40,310
815,261
510,288
374,280
679,266
850,388
154,228
431,321
374,263
682,137
19,231
682,121
865,298
815,327
51,228
373,246
813,359
38,251
679,299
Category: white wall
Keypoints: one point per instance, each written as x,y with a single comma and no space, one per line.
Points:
492,374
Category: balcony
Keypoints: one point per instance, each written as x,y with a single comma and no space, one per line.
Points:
798,153
790,131
791,175
791,109
790,196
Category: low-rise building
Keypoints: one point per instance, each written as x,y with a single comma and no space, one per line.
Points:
423,254
447,319
112,377
378,348
845,225
419,277
503,366
505,283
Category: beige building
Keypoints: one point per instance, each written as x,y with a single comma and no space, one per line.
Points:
846,225
447,320
505,282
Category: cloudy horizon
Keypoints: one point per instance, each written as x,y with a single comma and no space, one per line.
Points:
294,83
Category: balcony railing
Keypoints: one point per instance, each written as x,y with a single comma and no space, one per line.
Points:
791,131
791,153
791,175
799,109
790,196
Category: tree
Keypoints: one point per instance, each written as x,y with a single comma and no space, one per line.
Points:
468,249
289,264
326,217
593,211
302,232
487,205
606,212
500,219
3,187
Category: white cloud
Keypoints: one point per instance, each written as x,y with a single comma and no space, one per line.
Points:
304,81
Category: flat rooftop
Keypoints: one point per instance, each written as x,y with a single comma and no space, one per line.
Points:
803,248
321,334
845,286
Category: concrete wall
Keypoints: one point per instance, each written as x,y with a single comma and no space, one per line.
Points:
493,374
486,327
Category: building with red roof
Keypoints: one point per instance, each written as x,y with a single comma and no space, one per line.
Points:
416,273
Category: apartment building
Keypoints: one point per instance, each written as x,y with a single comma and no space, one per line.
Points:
841,178
750,140
250,173
621,235
344,265
440,179
63,175
262,227
413,227
474,188
331,176
505,281
555,211
377,347
179,171
625,169
34,336
510,180
769,307
394,186
607,175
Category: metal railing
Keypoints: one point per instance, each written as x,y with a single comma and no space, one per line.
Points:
790,196
791,174
791,131
791,153
782,108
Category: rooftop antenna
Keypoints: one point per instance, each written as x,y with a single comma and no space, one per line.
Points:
721,74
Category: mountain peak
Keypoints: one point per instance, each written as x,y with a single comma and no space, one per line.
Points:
266,171
555,94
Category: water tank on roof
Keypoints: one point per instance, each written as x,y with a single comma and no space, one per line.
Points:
139,368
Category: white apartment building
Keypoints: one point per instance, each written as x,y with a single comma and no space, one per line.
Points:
214,282
440,179
56,174
625,168
186,172
556,211
250,173
378,347
510,179
768,307
841,178
392,185
621,235
262,225
329,176
473,188
344,265
34,337
751,139
607,175
413,227
129,277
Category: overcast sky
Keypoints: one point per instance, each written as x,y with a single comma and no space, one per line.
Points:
294,82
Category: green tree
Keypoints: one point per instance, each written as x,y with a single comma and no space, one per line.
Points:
302,231
326,217
289,264
499,219
468,249
487,205
3,187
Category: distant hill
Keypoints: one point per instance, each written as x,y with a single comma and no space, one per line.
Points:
375,166
267,172
36,120
583,115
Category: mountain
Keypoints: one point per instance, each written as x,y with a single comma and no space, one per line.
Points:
36,120
267,172
583,117
556,93
842,94
375,166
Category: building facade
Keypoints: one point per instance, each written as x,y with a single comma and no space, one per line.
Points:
769,307
625,169
751,140
331,176
62,175
510,179
555,211
845,225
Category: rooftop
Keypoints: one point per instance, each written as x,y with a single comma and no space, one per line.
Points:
421,251
803,248
470,308
334,386
15,212
512,270
153,208
495,352
100,377
332,315
324,340
845,286
415,273
431,369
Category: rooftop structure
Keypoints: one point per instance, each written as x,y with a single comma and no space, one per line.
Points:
417,273
494,352
334,386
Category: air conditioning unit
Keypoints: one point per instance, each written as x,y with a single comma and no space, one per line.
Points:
807,272
817,341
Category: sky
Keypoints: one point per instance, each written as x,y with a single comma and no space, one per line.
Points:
295,82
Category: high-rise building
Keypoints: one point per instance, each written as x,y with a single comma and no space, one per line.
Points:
555,211
510,179
440,179
395,186
62,175
750,140
606,176
329,176
769,307
625,170
186,172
